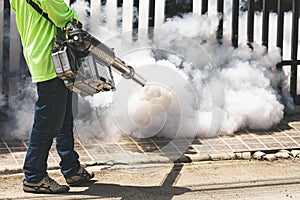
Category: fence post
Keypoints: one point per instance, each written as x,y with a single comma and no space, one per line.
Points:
250,22
280,24
294,50
6,43
220,9
235,23
295,30
1,41
265,25
204,7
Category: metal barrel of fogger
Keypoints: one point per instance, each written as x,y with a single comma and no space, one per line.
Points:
127,71
107,56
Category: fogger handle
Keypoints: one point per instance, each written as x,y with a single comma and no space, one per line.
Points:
127,71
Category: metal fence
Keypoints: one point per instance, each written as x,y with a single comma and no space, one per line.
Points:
13,69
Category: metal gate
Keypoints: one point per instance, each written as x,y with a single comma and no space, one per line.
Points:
13,68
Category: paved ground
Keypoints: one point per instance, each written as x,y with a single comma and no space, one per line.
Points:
129,150
134,169
218,180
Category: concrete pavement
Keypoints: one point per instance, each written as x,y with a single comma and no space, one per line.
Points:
132,169
93,149
235,179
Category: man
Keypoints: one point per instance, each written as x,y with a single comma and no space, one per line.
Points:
53,116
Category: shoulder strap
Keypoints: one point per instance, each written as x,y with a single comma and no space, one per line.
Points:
39,10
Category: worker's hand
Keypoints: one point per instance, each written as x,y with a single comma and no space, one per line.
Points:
73,24
79,25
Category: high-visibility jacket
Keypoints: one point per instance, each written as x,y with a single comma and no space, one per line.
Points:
37,33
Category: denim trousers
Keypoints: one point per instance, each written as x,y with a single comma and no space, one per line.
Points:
53,118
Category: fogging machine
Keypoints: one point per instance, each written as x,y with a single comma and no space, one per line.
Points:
85,64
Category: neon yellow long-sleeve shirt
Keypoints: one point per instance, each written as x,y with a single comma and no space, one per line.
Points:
37,33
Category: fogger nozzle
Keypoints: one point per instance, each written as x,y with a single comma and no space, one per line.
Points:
127,71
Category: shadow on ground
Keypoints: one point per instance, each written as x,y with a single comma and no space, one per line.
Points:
132,192
164,192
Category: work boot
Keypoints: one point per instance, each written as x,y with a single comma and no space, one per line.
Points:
46,185
81,176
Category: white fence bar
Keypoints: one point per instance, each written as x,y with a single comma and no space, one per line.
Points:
14,55
286,49
143,19
143,14
111,14
159,16
95,18
197,7
212,7
67,2
127,15
14,44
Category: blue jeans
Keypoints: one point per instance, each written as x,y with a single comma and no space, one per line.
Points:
53,118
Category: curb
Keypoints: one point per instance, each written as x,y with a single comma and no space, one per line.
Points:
268,155
272,155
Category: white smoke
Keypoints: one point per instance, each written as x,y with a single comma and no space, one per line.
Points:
248,77
21,113
250,99
82,9
194,26
2,102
